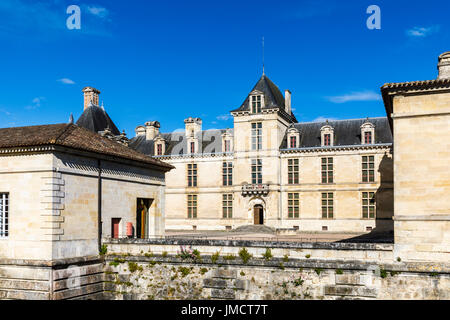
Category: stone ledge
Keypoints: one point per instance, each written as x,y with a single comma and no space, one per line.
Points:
52,263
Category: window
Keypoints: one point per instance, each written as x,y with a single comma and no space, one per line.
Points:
256,104
192,147
227,206
227,146
256,171
327,205
327,140
367,137
192,174
227,173
192,206
293,171
293,205
327,170
4,212
159,149
368,169
368,205
293,142
257,136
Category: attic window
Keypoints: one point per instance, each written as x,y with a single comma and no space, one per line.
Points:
293,142
327,140
159,149
327,135
368,133
367,137
256,103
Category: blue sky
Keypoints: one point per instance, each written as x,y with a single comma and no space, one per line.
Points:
168,60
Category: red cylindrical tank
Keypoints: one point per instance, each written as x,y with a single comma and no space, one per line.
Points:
129,229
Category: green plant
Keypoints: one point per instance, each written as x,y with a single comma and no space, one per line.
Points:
339,271
196,255
383,273
184,271
318,271
242,273
103,249
215,257
281,266
245,255
268,254
164,254
399,259
133,266
308,256
114,263
434,274
203,270
298,282
394,273
229,257
286,258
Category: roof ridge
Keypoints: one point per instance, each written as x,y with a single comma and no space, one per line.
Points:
336,120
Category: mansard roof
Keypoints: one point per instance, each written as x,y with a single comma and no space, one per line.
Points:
73,137
346,132
176,142
96,119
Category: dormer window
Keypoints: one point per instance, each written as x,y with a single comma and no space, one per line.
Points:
256,103
327,135
367,133
192,147
227,146
293,137
227,141
160,146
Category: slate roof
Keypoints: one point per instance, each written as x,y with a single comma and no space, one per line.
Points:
273,98
96,119
176,142
75,137
346,132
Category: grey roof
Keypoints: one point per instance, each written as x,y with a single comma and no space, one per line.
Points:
96,119
176,143
273,97
346,132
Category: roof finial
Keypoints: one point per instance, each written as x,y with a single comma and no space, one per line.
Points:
71,118
263,56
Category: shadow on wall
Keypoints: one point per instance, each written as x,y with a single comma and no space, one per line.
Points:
384,196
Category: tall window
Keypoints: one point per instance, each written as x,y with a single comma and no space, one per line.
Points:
257,136
327,139
293,142
368,205
159,149
293,205
327,205
227,146
192,147
368,137
327,170
227,206
227,173
256,104
368,169
192,206
293,171
4,211
256,171
192,174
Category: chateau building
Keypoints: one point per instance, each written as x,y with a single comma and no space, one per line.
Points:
270,169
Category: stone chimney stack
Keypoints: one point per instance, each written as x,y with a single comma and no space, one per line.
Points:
287,99
193,126
90,95
151,129
444,66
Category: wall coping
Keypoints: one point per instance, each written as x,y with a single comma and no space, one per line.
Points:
51,263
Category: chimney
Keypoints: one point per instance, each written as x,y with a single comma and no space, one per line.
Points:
90,95
444,66
193,126
287,99
151,129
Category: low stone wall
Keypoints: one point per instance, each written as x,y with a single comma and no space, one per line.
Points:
80,278
143,269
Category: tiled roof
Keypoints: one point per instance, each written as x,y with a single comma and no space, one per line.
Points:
96,119
72,136
346,132
417,84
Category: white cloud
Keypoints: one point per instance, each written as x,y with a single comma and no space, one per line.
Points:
356,96
422,32
98,11
66,81
36,103
223,117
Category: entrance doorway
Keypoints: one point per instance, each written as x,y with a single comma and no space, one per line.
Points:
258,213
115,224
142,217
